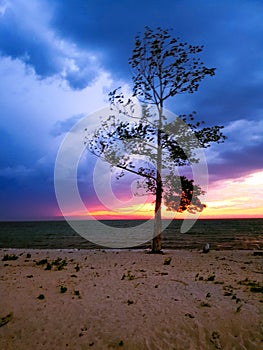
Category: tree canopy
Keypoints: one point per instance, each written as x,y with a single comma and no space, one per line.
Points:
148,143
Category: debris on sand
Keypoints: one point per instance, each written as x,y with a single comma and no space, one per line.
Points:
6,319
167,260
206,248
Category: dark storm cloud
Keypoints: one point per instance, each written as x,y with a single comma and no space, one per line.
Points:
230,31
236,164
18,41
39,47
75,40
241,153
25,198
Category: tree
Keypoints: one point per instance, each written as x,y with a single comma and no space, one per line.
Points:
163,66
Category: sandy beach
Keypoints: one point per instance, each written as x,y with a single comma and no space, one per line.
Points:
95,299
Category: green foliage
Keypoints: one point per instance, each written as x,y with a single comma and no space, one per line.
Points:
58,263
63,289
129,276
41,297
167,260
211,278
48,266
10,257
42,262
77,268
255,287
238,309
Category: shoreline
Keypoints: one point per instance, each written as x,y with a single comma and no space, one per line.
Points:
139,250
105,299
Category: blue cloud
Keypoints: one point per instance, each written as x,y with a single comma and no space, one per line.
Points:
73,41
63,126
106,30
41,48
241,153
14,151
235,164
18,41
230,31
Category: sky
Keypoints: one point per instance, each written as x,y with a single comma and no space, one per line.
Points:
60,59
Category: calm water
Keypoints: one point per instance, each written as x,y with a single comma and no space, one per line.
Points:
221,234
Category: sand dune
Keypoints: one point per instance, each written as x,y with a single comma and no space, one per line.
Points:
130,300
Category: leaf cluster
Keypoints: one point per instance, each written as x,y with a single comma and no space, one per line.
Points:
131,148
181,194
148,145
164,66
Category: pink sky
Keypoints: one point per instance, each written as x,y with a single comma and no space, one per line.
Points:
237,198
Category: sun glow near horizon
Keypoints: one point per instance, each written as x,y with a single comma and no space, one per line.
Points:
232,198
240,197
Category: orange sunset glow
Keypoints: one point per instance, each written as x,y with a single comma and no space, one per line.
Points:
236,198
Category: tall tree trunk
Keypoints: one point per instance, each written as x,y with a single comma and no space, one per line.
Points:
156,242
